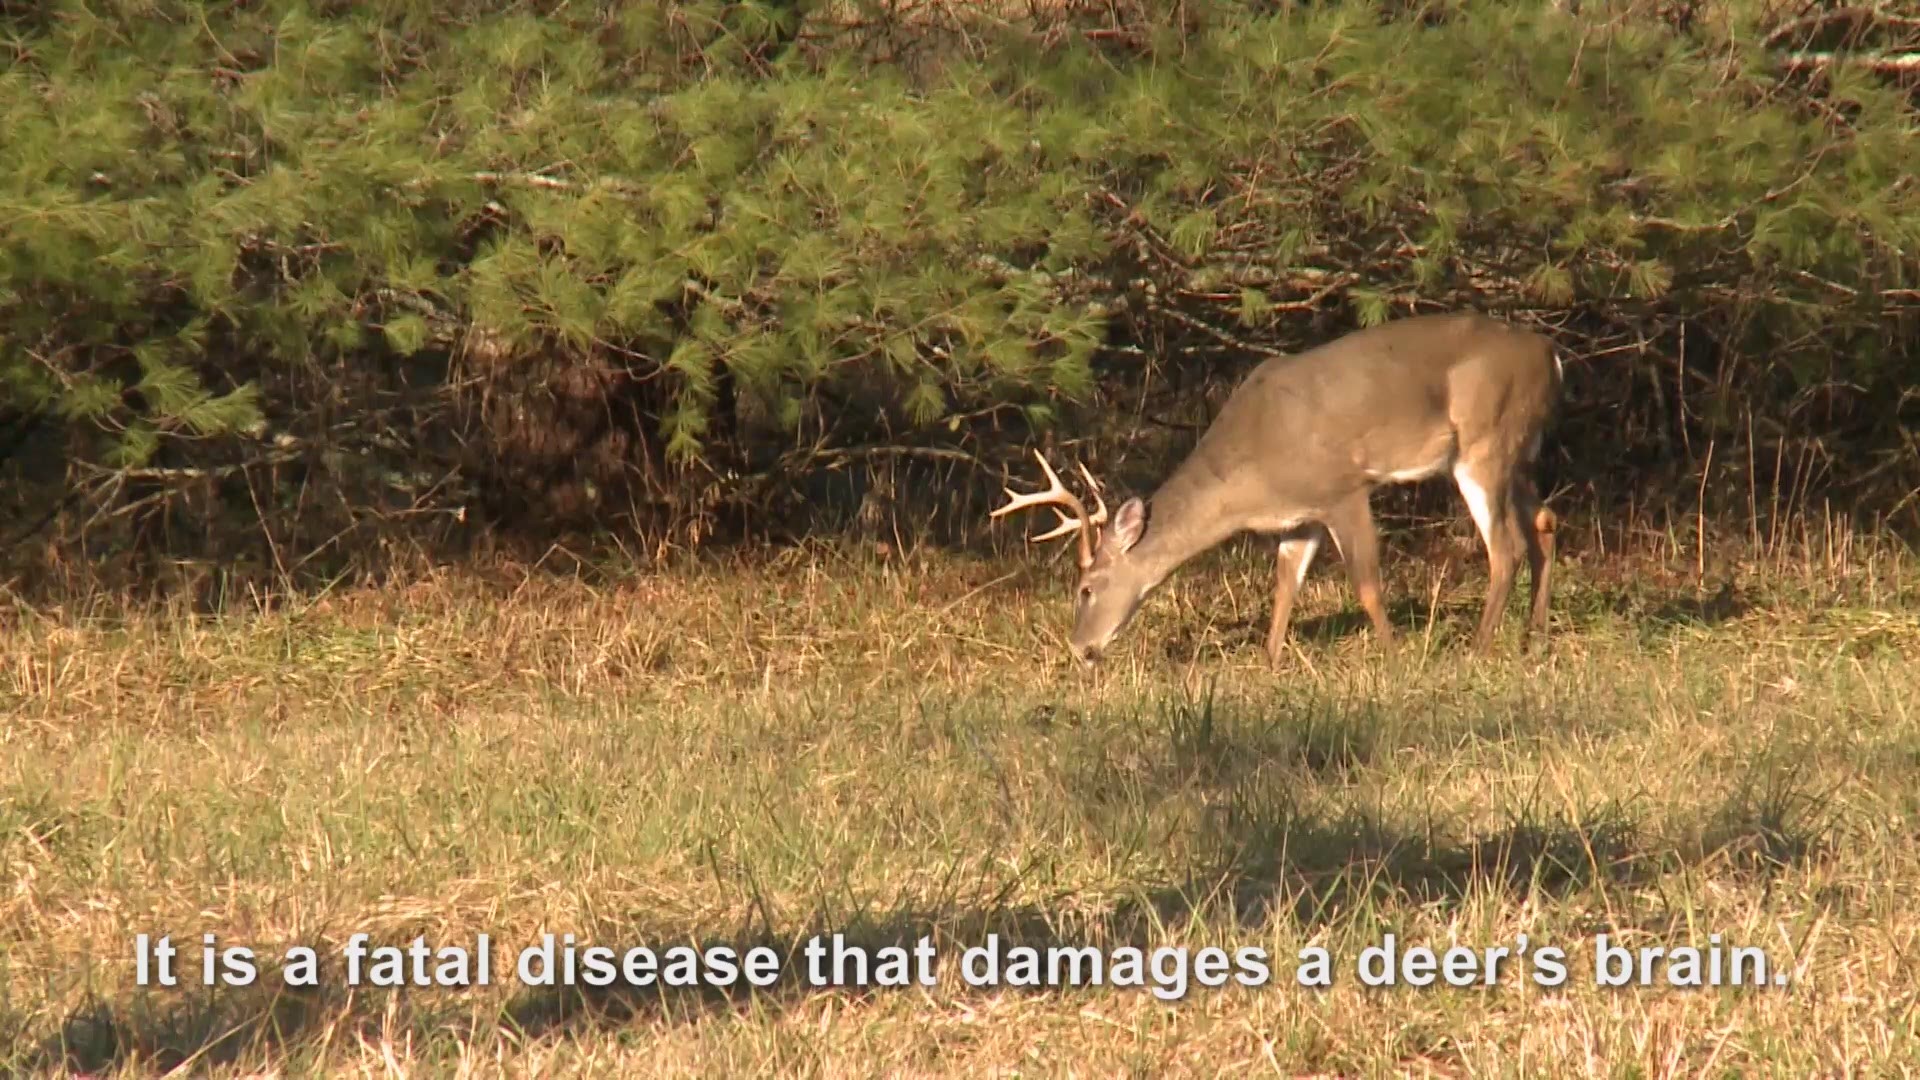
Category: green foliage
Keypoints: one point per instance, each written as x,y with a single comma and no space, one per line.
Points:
776,251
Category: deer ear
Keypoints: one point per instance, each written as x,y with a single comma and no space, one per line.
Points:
1129,525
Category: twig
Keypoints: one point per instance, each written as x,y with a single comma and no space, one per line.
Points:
840,456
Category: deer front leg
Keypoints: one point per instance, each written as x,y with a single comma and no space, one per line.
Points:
1294,556
1359,542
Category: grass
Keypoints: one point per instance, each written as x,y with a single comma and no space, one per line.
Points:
891,749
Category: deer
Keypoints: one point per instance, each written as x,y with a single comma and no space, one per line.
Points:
1296,452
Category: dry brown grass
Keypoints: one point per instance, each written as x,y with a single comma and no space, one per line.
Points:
811,744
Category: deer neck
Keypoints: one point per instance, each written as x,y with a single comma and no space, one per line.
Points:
1188,515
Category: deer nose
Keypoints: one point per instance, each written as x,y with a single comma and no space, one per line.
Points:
1086,654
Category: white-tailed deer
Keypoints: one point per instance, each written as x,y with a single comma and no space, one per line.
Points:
1298,449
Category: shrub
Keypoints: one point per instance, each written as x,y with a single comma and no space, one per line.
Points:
293,270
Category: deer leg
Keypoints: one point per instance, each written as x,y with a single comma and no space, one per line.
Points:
1290,569
1351,524
1537,525
1491,503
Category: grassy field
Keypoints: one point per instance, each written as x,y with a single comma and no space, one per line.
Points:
897,748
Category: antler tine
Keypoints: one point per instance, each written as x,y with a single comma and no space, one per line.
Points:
1100,505
1066,526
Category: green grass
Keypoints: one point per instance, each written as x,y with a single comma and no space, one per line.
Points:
758,753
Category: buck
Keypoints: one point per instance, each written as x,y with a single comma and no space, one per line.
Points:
1299,447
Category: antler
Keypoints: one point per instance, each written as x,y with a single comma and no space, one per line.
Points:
1057,496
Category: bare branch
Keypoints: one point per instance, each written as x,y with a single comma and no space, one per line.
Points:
1880,62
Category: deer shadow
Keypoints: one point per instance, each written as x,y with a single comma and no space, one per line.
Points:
1407,615
1648,611
1655,614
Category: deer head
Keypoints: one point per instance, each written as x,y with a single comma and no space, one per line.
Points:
1109,591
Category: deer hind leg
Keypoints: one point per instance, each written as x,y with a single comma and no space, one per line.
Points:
1537,525
1295,554
1489,494
1351,524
